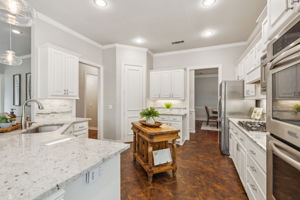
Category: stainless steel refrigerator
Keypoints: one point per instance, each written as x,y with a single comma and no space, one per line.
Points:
231,104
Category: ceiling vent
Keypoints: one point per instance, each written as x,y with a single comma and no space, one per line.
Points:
178,42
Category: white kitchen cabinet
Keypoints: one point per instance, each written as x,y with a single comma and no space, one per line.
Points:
178,84
249,90
253,76
250,162
264,33
154,85
58,73
176,122
279,13
167,84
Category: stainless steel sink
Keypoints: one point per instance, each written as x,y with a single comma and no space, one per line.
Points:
44,128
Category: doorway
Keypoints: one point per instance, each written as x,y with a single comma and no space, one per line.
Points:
204,99
87,106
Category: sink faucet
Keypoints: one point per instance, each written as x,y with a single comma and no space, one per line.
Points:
24,120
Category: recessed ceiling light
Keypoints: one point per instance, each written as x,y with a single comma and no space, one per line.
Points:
139,40
15,31
101,3
208,3
208,33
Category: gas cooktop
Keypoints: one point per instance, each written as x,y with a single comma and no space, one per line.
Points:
253,126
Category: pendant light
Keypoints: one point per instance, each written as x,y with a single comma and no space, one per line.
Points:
16,12
9,56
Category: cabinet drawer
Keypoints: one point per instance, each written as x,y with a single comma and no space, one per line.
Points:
257,173
81,133
242,138
175,118
253,188
81,126
257,154
163,118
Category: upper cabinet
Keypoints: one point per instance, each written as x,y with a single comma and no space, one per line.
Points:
58,73
280,12
167,84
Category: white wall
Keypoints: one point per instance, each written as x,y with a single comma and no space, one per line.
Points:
206,94
8,72
226,55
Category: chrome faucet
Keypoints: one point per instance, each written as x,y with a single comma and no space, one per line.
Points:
24,120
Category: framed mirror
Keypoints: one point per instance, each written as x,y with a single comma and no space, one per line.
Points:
17,90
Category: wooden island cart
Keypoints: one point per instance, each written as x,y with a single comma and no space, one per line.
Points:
147,140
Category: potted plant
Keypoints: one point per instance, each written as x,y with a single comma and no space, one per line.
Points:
5,121
168,105
149,115
297,108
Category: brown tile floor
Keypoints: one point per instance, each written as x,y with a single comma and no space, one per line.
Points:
203,174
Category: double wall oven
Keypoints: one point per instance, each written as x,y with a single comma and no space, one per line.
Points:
283,118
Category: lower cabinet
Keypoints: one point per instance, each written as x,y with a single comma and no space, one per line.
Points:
250,162
176,122
79,129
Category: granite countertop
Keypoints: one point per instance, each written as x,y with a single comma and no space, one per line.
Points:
260,138
33,166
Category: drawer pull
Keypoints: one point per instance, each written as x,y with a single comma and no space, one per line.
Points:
253,187
253,169
81,127
252,152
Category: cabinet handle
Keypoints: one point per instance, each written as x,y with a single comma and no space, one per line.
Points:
253,187
252,152
291,7
253,169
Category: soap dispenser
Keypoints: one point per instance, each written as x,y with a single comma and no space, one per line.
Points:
12,113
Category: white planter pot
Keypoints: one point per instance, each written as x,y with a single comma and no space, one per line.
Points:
150,121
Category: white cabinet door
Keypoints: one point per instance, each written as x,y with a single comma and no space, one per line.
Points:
165,85
154,85
57,72
249,90
72,76
277,9
178,84
243,164
298,81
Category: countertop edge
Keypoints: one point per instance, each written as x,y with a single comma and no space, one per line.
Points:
75,177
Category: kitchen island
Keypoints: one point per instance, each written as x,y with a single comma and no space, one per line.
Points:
54,165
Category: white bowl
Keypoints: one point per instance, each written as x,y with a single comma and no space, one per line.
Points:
5,125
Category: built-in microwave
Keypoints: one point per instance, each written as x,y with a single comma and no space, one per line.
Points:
285,40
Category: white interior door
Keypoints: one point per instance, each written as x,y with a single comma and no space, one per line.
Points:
134,93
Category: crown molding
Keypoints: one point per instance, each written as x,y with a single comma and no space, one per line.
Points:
66,29
124,46
223,46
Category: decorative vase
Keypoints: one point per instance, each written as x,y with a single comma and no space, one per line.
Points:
150,120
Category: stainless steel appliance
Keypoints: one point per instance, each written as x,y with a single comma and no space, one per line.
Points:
283,119
231,104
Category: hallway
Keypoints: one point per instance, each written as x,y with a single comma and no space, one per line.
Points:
203,174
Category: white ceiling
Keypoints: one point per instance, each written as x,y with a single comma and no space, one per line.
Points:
159,22
21,44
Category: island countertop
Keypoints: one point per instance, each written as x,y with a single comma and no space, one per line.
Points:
34,166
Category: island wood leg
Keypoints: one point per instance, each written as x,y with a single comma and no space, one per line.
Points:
174,157
150,162
134,145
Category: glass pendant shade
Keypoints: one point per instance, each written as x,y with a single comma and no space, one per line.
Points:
10,58
16,12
